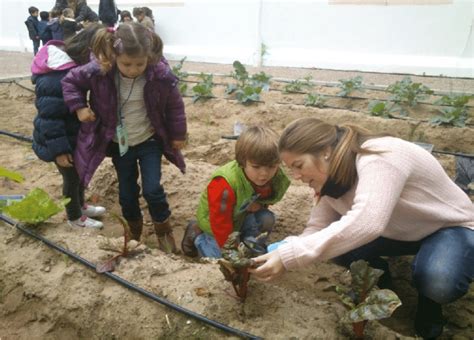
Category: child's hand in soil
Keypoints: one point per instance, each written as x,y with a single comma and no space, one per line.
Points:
85,115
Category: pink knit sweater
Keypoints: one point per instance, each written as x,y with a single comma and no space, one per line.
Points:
402,194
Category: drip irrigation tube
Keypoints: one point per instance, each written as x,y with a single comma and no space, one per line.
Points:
17,136
130,285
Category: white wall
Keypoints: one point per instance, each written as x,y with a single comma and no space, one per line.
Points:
430,39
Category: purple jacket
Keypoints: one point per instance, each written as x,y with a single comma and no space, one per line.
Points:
164,106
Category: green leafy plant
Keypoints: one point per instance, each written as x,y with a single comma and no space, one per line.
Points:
454,100
35,208
408,92
349,85
299,85
364,300
203,90
183,87
383,109
315,100
14,176
247,88
455,116
263,51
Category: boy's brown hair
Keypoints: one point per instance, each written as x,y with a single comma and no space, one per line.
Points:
257,144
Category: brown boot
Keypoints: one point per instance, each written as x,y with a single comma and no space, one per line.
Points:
165,236
136,228
187,244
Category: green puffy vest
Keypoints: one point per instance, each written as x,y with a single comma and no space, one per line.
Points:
244,194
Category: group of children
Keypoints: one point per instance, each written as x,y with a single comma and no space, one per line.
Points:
376,195
68,17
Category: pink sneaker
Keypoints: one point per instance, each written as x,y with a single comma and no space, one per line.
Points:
92,210
86,222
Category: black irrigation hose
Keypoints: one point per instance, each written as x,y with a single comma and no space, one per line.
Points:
130,285
17,136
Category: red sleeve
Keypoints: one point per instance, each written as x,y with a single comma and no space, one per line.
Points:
221,200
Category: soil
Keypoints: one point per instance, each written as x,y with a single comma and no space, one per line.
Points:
46,295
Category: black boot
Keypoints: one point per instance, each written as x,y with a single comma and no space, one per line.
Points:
429,321
187,244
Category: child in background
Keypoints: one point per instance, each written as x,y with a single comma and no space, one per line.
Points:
42,25
55,128
238,195
53,30
136,115
32,25
140,13
125,16
68,23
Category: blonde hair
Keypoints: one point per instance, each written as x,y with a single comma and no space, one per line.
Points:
68,13
313,136
132,39
258,144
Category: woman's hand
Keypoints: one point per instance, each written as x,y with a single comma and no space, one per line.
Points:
178,144
65,160
85,115
269,267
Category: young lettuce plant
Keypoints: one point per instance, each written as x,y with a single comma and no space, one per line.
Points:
247,88
315,100
35,208
203,90
408,92
14,176
382,109
299,85
183,87
364,300
349,85
454,116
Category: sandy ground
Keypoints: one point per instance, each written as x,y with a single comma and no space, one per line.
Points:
46,295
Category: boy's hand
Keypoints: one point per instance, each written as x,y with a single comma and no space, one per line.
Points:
178,144
85,115
65,160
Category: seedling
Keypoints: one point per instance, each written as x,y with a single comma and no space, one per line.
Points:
237,259
203,90
299,85
408,92
129,246
383,109
455,116
183,87
35,208
364,300
454,100
247,88
350,85
315,100
263,51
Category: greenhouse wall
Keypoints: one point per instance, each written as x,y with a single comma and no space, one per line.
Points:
432,37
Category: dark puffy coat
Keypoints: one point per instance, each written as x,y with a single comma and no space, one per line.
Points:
55,127
32,26
164,106
108,12
53,31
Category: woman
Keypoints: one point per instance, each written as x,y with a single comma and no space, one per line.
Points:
378,196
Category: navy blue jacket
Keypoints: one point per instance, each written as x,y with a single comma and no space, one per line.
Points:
55,127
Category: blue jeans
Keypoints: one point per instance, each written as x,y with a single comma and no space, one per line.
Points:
254,224
443,267
148,155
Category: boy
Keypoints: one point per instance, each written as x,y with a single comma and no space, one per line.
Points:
238,195
42,26
32,25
